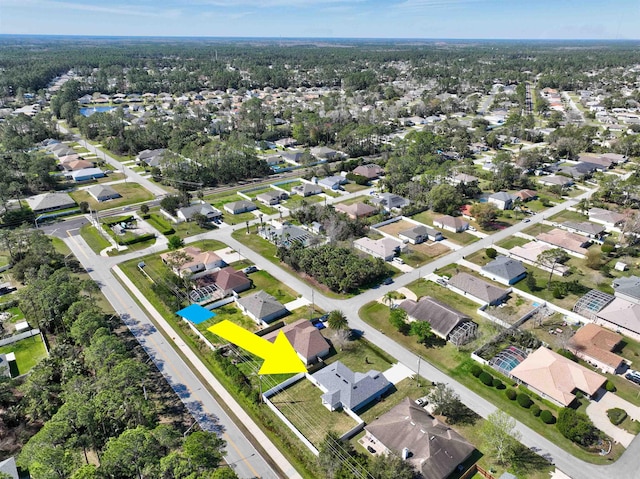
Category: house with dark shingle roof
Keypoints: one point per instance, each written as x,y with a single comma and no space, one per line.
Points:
553,180
627,288
50,202
478,289
420,234
445,321
504,270
187,213
432,448
585,228
305,338
103,192
262,307
390,201
345,389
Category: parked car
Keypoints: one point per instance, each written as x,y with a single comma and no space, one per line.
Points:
398,260
250,269
471,228
633,377
387,281
526,220
371,450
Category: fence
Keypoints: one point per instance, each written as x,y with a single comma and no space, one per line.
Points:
18,337
387,222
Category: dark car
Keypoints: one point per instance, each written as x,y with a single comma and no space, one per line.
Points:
387,281
250,269
371,450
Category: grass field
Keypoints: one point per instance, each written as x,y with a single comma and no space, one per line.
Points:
131,193
353,187
512,242
94,239
28,352
296,201
262,280
567,215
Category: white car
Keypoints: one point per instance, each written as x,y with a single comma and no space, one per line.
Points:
398,260
471,228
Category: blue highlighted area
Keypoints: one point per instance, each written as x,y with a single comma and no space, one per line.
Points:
196,314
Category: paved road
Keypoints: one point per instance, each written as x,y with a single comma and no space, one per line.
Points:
625,468
240,454
129,173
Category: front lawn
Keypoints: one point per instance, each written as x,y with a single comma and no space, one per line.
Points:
262,280
131,193
567,215
297,201
28,353
94,239
353,187
512,242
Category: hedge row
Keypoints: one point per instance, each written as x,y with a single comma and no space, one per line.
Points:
116,219
160,224
135,239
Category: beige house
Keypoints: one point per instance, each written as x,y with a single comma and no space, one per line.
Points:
595,345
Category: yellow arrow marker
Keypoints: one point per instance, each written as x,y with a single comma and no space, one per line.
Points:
279,356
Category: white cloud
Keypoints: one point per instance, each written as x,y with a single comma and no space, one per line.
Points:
126,10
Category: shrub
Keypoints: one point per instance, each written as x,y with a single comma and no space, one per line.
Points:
568,354
497,383
616,415
577,427
486,378
535,410
476,370
607,248
524,400
609,386
511,394
491,253
547,417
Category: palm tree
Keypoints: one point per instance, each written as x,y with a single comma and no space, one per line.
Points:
388,298
337,320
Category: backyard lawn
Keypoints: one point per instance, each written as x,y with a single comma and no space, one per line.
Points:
28,352
297,201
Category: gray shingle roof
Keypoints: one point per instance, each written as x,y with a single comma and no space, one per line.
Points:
349,388
584,226
628,286
48,201
477,287
442,318
103,192
261,304
203,208
505,268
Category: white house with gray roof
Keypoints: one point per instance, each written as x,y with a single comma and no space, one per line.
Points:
477,289
504,270
610,219
262,307
627,288
420,234
50,202
186,213
390,201
385,248
502,200
242,206
345,389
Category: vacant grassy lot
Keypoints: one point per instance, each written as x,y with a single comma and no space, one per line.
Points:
94,238
360,356
535,230
28,352
479,257
297,201
567,215
262,280
301,403
512,242
131,193
353,187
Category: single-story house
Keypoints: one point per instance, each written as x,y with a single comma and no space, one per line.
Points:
333,182
286,235
272,197
370,171
433,449
526,195
627,288
186,213
446,322
390,201
324,152
69,158
529,254
502,200
570,242
262,307
200,260
585,228
621,316
305,338
463,178
454,224
344,388
356,210
242,206
556,378
150,157
385,248
420,234
87,174
307,189
286,142
581,169
478,289
610,219
554,180
293,157
227,280
504,270
75,165
595,345
103,192
50,202
5,368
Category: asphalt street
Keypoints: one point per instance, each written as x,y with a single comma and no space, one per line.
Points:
240,454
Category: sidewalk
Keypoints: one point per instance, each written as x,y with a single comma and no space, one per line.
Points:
241,415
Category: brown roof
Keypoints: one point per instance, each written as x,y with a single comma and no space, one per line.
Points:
76,165
356,210
198,257
525,195
304,337
557,376
436,449
564,239
596,342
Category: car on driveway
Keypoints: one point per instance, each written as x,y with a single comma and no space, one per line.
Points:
250,269
633,377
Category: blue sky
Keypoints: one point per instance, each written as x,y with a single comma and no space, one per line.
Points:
529,19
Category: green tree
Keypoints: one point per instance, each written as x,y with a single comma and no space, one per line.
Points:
445,400
398,319
170,204
445,199
500,436
550,259
129,454
421,330
339,323
144,209
175,242
577,427
204,450
200,219
390,466
484,213
531,282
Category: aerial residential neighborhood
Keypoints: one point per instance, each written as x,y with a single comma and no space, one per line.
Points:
444,236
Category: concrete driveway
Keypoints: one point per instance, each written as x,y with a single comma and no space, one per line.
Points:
597,411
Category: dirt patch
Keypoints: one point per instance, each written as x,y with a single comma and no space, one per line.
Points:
431,249
394,228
